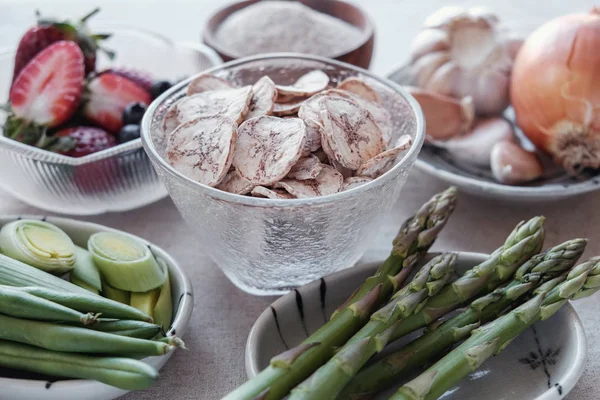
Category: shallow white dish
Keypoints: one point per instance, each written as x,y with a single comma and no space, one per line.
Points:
556,184
544,363
14,385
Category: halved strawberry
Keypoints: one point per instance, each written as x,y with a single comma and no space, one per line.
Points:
108,95
80,141
48,89
49,31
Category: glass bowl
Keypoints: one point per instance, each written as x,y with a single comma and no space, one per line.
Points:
265,246
117,179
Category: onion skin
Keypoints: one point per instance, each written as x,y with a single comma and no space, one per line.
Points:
555,89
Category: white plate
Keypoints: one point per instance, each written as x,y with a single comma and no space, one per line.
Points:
16,387
556,184
544,363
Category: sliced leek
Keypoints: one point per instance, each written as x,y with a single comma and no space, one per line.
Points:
85,271
39,244
122,296
125,262
145,301
18,274
163,310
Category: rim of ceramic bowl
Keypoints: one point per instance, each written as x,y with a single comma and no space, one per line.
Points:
260,202
209,35
183,309
135,144
501,190
571,377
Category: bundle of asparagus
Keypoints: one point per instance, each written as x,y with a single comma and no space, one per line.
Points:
329,364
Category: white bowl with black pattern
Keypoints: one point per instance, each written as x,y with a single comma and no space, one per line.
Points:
555,184
544,363
19,385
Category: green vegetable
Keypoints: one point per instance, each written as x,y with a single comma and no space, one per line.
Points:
122,373
76,340
21,304
332,377
15,273
85,270
115,294
125,262
288,369
138,329
163,310
88,302
84,285
39,244
524,242
145,301
391,369
494,337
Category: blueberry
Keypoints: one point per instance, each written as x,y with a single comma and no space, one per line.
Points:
159,87
128,133
133,113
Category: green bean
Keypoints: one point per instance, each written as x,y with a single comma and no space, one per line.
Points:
84,302
73,339
122,373
21,304
138,329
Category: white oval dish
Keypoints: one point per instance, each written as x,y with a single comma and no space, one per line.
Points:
544,363
16,388
556,184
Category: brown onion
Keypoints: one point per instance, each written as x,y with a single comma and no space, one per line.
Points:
555,89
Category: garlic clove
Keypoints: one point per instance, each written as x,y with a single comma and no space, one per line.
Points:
443,16
491,94
442,80
475,147
430,41
445,117
513,165
425,66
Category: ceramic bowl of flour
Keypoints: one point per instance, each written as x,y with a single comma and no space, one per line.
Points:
332,29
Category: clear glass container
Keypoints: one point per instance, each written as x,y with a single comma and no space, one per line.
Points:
117,179
265,246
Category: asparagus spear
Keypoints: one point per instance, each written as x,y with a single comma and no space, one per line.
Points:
331,378
538,270
416,236
524,242
492,338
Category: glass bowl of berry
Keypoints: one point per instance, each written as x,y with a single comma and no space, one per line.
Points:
76,95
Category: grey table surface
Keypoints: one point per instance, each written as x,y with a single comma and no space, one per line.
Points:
223,315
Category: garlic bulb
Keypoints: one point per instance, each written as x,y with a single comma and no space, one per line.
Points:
513,165
445,117
476,146
466,52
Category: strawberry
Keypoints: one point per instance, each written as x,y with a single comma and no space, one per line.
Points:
108,95
141,78
80,141
48,89
49,31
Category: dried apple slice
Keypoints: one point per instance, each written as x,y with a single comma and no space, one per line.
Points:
329,181
284,109
382,117
235,183
307,85
381,163
202,149
355,181
268,147
261,191
306,168
264,94
232,103
207,82
360,88
350,131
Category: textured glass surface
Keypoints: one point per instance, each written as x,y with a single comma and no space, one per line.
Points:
270,246
116,179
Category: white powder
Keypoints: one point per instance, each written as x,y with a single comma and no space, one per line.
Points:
285,26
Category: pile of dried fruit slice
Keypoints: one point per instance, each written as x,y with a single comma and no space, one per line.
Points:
304,139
